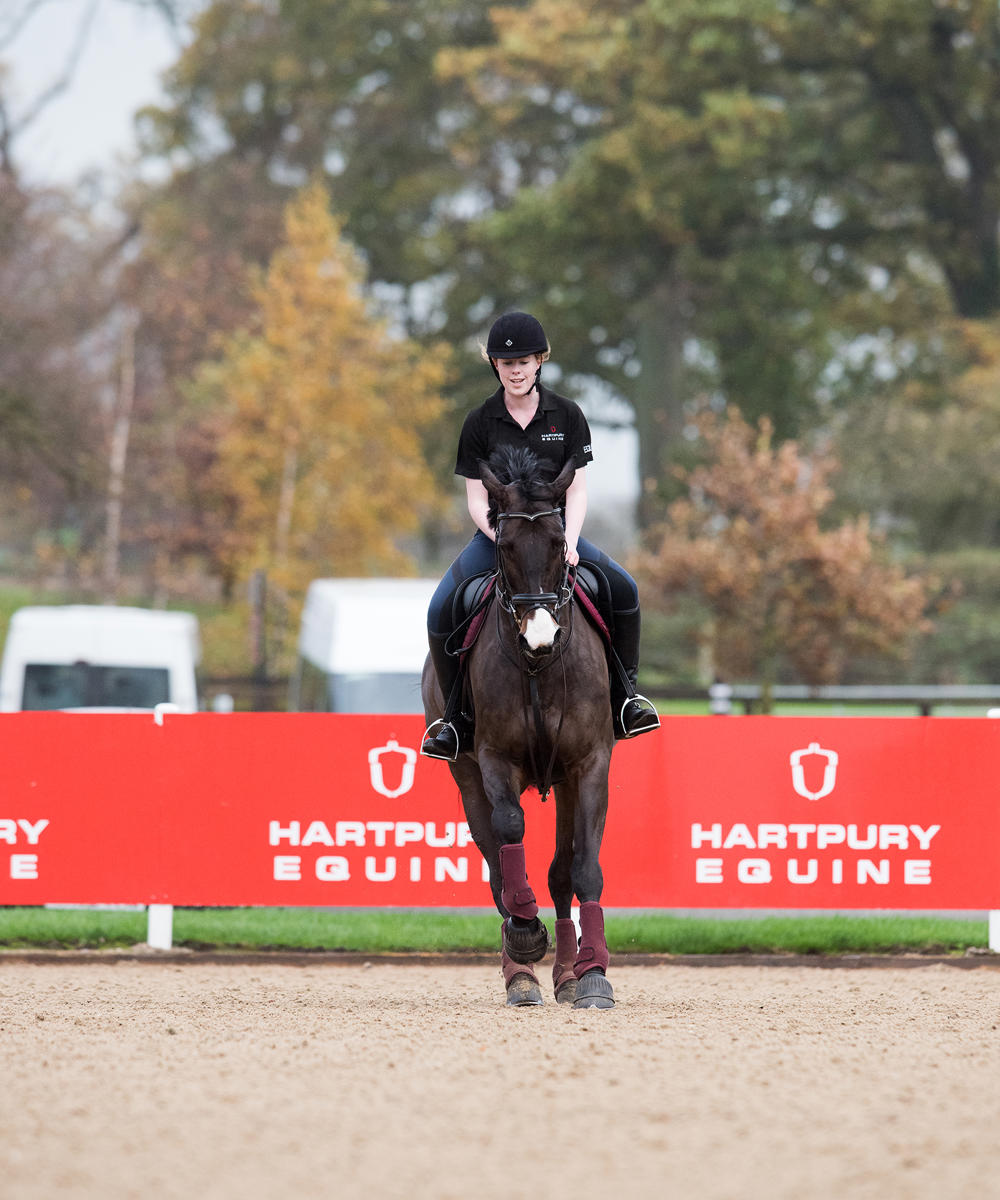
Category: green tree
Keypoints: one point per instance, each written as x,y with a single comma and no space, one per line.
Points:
698,195
317,405
647,234
276,93
929,453
55,367
737,193
784,592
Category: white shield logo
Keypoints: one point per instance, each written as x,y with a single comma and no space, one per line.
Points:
406,775
799,771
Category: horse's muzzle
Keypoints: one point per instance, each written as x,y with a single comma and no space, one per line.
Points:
539,631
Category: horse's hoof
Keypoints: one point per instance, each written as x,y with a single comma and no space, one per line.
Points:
566,992
523,991
525,945
594,991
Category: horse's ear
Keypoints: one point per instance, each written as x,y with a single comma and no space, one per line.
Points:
498,493
560,485
490,481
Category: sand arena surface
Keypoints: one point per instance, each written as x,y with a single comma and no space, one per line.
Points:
209,1081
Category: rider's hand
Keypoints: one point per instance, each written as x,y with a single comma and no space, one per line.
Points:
572,555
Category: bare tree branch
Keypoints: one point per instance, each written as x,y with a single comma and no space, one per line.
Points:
14,22
6,165
170,10
65,79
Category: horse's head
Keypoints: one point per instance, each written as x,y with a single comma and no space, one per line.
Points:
531,543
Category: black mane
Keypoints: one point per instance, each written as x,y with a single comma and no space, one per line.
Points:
521,468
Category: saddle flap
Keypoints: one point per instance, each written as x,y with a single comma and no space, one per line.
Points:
593,591
469,611
469,595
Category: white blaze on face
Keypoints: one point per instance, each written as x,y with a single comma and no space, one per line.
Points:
538,629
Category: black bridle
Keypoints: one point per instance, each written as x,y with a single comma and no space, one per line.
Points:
551,602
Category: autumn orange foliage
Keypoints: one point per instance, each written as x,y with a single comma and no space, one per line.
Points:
748,540
320,410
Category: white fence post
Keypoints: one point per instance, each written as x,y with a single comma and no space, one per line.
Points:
994,927
160,927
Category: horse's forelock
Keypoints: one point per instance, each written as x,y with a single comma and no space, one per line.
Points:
520,472
520,468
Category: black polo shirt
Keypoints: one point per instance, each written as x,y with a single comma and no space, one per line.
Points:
557,433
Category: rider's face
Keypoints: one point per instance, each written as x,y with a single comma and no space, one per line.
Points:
518,374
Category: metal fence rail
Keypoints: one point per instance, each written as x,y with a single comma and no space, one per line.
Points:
925,698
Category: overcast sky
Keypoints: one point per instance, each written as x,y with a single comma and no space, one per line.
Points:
89,126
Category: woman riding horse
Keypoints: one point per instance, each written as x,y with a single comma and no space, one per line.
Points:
538,683
522,413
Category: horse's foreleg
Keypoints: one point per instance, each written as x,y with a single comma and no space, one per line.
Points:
591,962
564,982
525,937
478,814
508,826
593,952
561,867
519,980
561,891
593,989
518,895
590,812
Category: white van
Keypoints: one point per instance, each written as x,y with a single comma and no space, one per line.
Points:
106,657
362,646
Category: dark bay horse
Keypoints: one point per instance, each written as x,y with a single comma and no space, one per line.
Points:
538,681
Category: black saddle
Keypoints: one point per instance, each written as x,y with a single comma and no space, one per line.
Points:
469,594
597,589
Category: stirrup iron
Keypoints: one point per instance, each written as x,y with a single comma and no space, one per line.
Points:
428,735
638,698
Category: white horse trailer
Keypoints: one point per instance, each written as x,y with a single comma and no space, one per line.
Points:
362,646
99,657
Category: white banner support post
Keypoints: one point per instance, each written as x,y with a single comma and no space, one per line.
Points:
994,927
160,927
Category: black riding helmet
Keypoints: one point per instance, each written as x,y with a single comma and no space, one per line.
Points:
516,335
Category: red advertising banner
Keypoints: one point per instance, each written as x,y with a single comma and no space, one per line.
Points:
302,809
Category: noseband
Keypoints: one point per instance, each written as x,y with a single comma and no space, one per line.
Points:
551,602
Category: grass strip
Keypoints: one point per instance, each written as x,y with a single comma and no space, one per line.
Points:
375,931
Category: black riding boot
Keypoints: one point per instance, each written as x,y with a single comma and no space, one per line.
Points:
633,713
445,737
